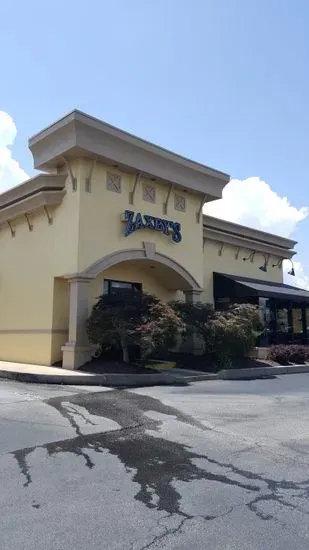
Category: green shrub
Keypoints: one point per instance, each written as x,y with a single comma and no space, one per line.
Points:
231,334
193,316
227,335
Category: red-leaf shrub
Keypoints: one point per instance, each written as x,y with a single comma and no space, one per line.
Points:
279,354
299,354
285,354
141,320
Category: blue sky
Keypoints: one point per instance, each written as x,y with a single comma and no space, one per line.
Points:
225,82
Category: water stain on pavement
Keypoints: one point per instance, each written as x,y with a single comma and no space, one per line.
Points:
155,463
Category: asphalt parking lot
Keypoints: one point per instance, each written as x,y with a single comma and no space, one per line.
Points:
216,465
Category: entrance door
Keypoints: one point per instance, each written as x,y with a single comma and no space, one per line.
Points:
124,290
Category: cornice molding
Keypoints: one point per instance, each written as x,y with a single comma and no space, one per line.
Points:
41,182
31,203
246,243
79,134
256,235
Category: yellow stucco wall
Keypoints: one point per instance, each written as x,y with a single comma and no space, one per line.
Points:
34,298
101,229
29,263
33,348
86,227
227,263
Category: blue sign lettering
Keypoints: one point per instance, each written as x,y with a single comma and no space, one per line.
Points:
135,221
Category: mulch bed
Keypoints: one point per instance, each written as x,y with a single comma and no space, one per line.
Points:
202,363
184,361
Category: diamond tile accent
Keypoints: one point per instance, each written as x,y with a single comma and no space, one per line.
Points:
113,182
149,193
180,203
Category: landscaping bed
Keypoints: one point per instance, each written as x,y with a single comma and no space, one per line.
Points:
206,364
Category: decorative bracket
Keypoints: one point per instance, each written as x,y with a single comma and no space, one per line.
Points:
237,253
70,172
88,179
279,263
138,176
30,225
48,215
165,204
198,213
13,232
250,257
221,249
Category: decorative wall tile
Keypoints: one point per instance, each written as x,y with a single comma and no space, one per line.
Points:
180,203
113,182
149,193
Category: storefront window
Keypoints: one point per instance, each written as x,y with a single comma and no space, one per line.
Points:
307,319
297,321
282,320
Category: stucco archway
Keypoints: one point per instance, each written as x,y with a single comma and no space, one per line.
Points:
77,350
146,254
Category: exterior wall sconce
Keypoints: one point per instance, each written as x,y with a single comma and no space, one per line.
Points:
265,264
279,264
292,272
250,257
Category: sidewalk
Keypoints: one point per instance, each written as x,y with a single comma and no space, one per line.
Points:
52,375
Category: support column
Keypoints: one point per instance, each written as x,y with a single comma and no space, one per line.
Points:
77,350
193,296
194,342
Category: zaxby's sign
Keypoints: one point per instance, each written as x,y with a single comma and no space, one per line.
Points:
136,220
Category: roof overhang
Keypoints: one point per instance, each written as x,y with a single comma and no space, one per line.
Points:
79,134
244,237
42,190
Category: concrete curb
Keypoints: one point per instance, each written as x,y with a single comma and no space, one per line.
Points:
261,372
190,376
111,380
156,379
201,377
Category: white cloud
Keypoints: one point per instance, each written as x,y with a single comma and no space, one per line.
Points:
11,173
252,202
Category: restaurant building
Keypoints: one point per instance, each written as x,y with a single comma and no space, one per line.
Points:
112,213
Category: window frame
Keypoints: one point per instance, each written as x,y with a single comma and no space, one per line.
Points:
138,287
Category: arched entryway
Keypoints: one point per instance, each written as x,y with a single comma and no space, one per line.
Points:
185,279
167,271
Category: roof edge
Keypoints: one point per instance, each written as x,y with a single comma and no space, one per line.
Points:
31,186
89,120
239,230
